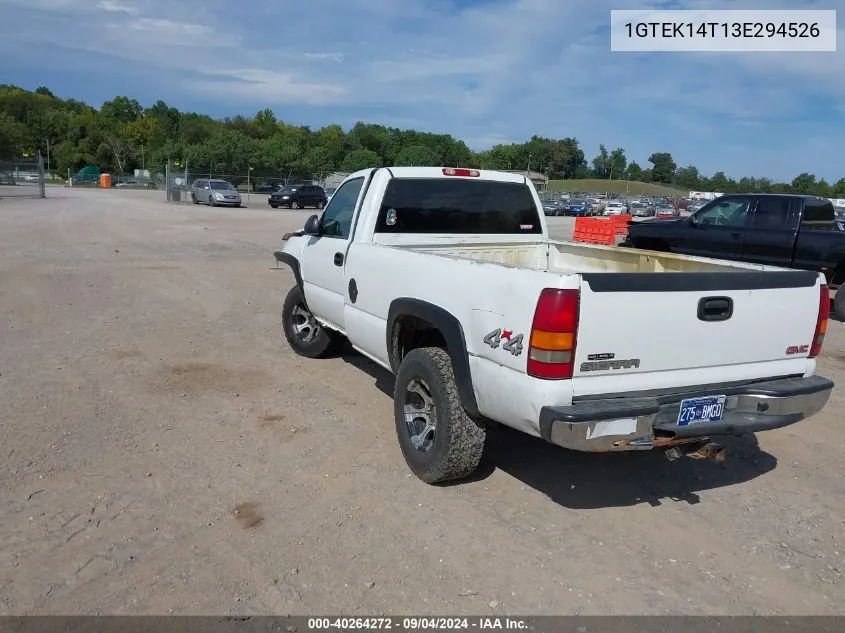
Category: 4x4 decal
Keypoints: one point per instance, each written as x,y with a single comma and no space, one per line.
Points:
513,343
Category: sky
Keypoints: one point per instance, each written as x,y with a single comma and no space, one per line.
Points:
485,71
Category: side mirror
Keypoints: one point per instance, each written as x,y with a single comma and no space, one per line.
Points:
312,225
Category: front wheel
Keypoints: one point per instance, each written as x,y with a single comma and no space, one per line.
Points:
305,335
320,204
275,206
294,205
211,202
439,441
194,198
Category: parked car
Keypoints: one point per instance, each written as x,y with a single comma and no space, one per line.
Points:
641,210
792,231
577,208
614,207
267,187
215,192
127,183
553,207
540,349
298,197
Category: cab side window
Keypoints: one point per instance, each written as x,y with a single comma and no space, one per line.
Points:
726,211
337,218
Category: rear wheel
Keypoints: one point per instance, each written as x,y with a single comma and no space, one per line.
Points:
839,302
439,441
306,336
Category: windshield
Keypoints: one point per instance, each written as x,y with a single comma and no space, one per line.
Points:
577,203
221,185
288,189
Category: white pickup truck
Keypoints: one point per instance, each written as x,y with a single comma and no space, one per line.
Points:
448,278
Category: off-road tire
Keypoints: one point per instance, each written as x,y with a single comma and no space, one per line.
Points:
839,302
294,205
458,444
324,343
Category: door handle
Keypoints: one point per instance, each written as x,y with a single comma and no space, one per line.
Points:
736,236
715,308
338,259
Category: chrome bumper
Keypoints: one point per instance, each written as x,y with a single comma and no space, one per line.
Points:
641,423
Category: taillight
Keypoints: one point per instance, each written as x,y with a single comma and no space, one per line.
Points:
551,352
456,171
821,322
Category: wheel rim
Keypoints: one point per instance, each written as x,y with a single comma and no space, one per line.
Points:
420,415
294,205
305,326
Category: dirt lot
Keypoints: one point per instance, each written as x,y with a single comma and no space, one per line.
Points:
164,452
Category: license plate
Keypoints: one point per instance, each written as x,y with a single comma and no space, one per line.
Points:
698,410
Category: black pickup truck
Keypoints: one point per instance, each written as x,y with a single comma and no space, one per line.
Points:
779,230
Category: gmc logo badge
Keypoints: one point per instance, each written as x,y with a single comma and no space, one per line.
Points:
797,349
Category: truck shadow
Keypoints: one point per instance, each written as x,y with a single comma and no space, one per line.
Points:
603,480
588,481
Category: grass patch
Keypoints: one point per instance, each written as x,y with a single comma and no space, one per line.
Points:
614,186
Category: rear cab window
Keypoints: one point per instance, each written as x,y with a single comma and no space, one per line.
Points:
457,206
819,215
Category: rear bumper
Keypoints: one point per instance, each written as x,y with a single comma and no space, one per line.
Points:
641,423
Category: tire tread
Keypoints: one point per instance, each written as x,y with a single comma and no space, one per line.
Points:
465,436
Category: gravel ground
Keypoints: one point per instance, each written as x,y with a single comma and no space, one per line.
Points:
163,451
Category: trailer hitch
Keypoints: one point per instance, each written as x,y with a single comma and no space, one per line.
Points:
699,450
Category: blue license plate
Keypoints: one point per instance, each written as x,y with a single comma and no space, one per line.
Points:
697,410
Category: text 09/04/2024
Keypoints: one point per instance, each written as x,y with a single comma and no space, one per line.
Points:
723,31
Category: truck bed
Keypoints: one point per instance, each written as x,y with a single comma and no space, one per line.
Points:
573,257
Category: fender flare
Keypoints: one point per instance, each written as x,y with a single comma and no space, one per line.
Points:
452,331
293,262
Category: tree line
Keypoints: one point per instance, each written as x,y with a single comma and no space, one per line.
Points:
122,135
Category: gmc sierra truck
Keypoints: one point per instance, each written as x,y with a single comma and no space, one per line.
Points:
448,278
792,231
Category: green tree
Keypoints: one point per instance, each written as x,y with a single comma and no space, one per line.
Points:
838,190
618,163
417,156
601,163
663,167
634,171
12,135
823,189
361,159
688,177
804,183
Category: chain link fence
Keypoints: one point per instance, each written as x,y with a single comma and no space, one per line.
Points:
22,179
178,178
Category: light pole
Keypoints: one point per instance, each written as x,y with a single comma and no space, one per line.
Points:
528,175
248,190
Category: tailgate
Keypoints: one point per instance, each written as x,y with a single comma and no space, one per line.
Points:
635,323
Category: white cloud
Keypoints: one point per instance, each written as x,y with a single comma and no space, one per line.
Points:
113,6
488,73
